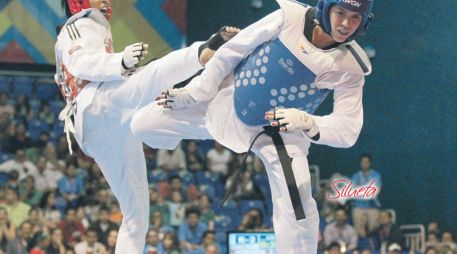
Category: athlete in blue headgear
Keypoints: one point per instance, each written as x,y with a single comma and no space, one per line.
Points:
270,79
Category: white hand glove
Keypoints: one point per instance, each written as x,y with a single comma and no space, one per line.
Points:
133,54
292,119
175,98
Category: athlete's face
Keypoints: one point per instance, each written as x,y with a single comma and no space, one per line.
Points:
344,22
102,5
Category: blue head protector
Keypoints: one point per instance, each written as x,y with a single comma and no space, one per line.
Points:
362,6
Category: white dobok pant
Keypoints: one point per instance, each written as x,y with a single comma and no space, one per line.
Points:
102,123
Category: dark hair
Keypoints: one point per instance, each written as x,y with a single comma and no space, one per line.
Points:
340,208
174,177
66,8
192,210
333,245
207,232
366,155
44,199
103,208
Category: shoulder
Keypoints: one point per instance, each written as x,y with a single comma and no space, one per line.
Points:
354,59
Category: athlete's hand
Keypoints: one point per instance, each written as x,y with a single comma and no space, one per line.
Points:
292,119
133,54
175,98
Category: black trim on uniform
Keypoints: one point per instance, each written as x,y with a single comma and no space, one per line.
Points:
76,29
358,59
70,33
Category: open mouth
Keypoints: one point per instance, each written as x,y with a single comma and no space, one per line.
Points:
104,9
342,31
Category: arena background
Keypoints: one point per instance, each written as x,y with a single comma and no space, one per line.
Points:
410,124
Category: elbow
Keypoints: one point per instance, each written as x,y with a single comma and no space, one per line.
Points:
350,139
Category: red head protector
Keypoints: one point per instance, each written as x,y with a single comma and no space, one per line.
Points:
76,6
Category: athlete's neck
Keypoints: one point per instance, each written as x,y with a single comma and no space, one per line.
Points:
321,39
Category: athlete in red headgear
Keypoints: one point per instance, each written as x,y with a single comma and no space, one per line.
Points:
103,89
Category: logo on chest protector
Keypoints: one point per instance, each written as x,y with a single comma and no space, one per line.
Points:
353,3
287,65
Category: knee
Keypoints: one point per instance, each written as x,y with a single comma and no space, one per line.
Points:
137,225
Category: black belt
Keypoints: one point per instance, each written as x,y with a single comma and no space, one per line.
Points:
286,164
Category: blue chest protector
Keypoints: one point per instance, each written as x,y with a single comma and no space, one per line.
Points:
270,77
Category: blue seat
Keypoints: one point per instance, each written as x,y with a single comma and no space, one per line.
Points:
56,106
246,205
186,177
46,91
3,178
36,127
5,84
23,85
157,175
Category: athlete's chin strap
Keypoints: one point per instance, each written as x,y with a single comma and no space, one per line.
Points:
286,164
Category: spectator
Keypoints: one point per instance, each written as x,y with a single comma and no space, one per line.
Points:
111,240
71,228
366,251
158,224
5,108
7,229
207,213
57,166
394,248
387,233
102,226
191,232
45,114
432,240
252,221
37,220
152,242
433,227
71,186
246,189
40,243
340,231
81,217
17,210
175,183
447,242
194,159
218,159
62,148
28,193
170,161
115,214
22,108
431,250
90,244
365,213
56,245
151,157
20,244
102,198
334,248
212,249
177,209
208,240
48,207
20,141
20,163
42,141
13,179
169,245
45,179
158,203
